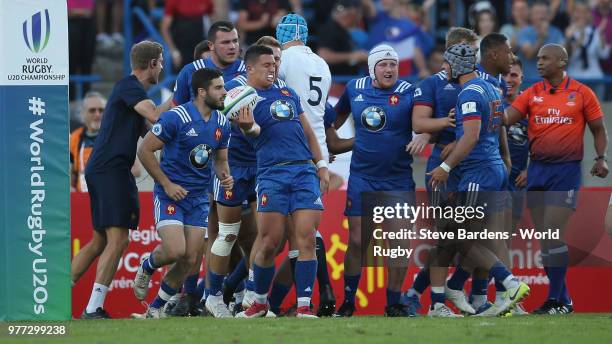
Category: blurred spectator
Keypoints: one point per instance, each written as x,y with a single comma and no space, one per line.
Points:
586,44
81,39
82,140
104,39
520,20
258,18
534,36
392,26
559,12
485,22
335,42
435,59
602,19
183,27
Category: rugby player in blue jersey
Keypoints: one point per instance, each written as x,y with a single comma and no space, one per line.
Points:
381,106
288,180
189,136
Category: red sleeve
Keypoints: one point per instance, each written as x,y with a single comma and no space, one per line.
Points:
591,107
521,103
170,8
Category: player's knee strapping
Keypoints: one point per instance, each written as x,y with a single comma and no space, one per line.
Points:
228,232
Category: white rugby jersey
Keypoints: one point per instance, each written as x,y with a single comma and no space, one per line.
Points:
309,75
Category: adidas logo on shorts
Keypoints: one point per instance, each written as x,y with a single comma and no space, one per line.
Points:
191,132
318,201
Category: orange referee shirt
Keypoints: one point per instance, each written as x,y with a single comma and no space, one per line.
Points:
557,120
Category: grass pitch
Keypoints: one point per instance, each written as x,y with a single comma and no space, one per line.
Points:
577,328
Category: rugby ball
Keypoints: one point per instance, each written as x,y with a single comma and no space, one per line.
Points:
237,98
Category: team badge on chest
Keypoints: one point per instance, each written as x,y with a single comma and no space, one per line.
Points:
200,155
373,118
394,100
282,110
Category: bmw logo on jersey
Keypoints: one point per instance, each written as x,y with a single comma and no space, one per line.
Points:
200,155
282,110
373,118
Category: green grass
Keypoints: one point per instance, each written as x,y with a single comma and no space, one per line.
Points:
582,328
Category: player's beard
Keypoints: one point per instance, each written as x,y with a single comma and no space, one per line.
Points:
211,103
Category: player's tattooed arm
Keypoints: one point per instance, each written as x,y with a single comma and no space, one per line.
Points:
422,121
335,144
246,122
313,143
146,154
222,169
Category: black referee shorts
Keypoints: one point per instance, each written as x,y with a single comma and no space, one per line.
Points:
114,199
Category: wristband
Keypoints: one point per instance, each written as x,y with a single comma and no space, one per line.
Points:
445,167
321,163
254,127
601,157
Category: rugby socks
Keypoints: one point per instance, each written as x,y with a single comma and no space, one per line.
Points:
249,285
96,300
200,289
558,258
565,297
215,284
239,293
262,278
437,296
421,282
305,274
191,284
393,297
501,273
322,273
479,292
293,257
351,283
277,295
237,276
458,279
164,295
148,265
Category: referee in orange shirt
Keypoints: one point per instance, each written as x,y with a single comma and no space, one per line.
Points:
558,109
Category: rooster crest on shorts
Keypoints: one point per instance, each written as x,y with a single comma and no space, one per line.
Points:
200,155
171,209
264,200
282,110
373,118
228,194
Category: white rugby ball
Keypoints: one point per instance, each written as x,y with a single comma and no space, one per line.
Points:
237,98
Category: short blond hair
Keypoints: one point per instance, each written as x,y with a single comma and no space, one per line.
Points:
143,52
457,35
268,41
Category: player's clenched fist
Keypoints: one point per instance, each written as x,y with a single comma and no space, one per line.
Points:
438,177
323,174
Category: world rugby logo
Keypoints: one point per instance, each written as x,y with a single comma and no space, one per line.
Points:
35,34
200,156
373,118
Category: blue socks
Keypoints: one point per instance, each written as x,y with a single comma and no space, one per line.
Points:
163,295
557,261
305,274
239,274
393,297
262,280
458,278
422,281
191,284
148,265
277,295
499,272
215,284
351,283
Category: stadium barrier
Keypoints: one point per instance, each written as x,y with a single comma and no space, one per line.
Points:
593,272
